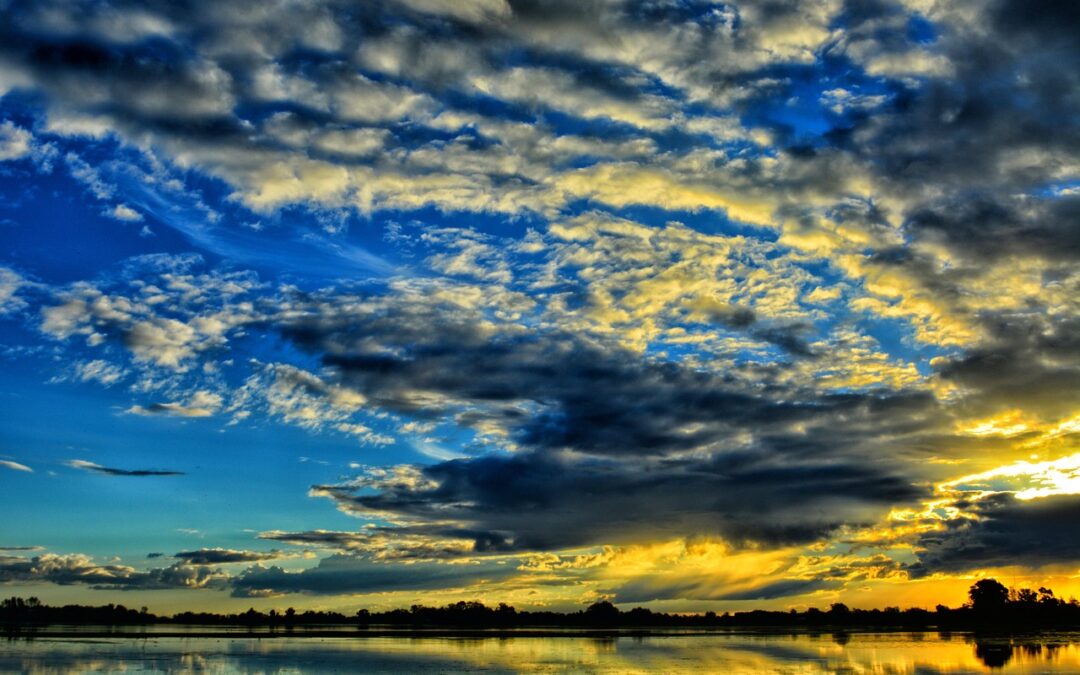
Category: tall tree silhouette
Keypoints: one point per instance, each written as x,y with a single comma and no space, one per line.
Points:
988,596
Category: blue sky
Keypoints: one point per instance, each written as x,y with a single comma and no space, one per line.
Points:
667,303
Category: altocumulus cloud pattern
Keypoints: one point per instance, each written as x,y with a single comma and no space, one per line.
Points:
703,305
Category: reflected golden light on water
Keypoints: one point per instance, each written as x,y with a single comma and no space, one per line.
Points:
804,653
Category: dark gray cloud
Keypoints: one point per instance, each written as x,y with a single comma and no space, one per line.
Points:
1029,357
1010,90
791,338
1005,531
218,556
321,538
612,447
990,227
733,316
545,501
554,391
111,471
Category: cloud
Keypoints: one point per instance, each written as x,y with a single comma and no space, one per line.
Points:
109,471
553,390
125,213
1028,359
155,332
1002,531
320,538
201,404
99,370
545,87
990,227
10,283
350,574
534,501
66,570
721,574
610,446
15,466
780,589
388,544
189,100
219,556
14,142
756,263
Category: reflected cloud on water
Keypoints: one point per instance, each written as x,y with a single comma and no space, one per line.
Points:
841,652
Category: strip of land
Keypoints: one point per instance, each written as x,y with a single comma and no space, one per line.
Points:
991,606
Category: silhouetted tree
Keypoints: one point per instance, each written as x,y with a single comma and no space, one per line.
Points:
1024,596
988,596
602,613
1046,596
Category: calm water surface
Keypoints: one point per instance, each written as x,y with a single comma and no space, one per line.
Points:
724,653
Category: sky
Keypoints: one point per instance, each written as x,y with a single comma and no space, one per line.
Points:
680,304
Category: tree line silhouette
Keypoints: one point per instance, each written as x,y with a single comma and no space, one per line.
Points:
991,605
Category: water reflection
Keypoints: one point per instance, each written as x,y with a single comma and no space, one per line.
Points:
846,652
992,654
997,652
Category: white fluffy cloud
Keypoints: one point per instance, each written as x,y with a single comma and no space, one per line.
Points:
15,142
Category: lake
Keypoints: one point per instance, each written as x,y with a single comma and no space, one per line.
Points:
666,652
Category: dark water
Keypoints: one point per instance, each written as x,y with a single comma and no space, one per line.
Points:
722,653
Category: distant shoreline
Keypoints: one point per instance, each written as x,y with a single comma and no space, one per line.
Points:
266,632
992,608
